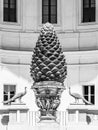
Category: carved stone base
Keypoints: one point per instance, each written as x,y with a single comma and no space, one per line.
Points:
48,95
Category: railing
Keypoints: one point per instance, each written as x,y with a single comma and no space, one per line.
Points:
63,118
67,117
34,117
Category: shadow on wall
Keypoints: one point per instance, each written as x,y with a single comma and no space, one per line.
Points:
75,75
16,73
80,74
5,120
88,119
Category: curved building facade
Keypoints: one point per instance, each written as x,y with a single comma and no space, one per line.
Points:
76,24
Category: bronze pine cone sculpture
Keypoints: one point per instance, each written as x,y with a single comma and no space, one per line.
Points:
48,62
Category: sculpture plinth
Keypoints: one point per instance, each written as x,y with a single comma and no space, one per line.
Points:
48,70
48,95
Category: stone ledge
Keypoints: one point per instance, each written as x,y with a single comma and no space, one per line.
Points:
15,106
82,106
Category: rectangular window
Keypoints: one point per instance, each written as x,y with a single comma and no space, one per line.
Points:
9,92
49,11
89,7
9,11
89,93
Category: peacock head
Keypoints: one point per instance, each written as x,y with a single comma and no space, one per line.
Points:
25,88
69,88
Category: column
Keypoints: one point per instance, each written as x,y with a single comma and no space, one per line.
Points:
66,116
77,116
18,116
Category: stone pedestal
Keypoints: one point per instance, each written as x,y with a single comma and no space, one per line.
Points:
82,114
15,113
18,114
48,95
77,114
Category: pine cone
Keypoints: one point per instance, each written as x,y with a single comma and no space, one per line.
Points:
48,62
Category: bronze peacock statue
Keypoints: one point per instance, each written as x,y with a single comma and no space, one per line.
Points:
16,96
78,97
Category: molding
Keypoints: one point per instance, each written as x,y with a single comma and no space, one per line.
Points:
73,53
76,58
